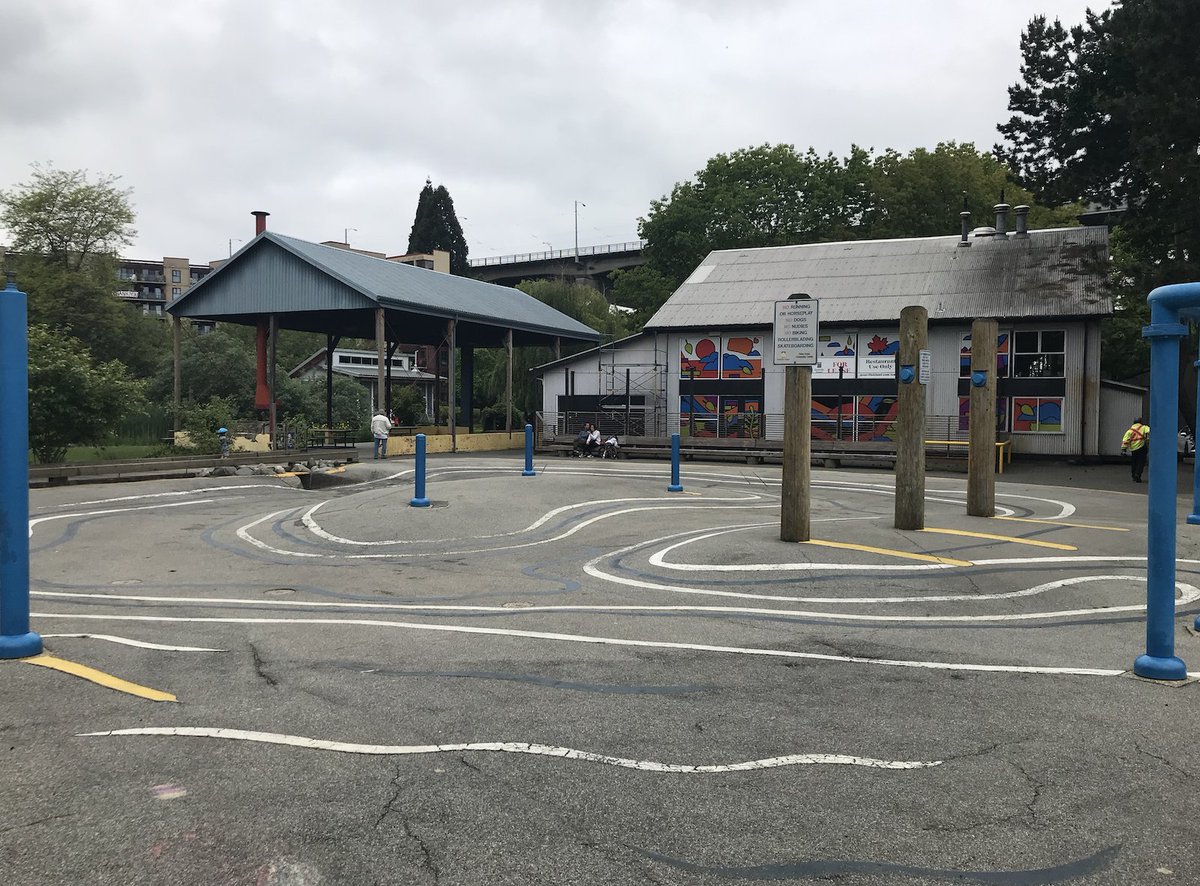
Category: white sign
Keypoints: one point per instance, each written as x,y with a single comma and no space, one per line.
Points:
796,329
924,362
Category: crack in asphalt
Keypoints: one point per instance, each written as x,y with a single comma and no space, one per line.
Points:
1162,760
258,667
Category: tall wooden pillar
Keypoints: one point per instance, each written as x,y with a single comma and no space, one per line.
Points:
981,454
910,424
508,390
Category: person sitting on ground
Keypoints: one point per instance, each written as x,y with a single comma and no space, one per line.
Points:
609,448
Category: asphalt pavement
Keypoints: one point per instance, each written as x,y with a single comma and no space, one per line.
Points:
580,678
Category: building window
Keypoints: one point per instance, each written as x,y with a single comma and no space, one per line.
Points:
1039,353
176,291
1003,345
342,358
175,276
964,414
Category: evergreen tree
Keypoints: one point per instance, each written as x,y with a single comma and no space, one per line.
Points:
436,227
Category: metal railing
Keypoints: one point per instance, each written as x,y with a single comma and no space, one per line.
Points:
652,422
523,257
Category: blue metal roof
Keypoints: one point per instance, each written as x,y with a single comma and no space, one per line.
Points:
275,274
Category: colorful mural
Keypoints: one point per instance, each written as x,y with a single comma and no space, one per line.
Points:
698,416
836,352
877,418
825,418
700,358
741,417
877,354
964,414
1003,351
742,357
1039,415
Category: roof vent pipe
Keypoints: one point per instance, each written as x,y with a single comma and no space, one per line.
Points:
260,221
966,228
1001,217
1022,213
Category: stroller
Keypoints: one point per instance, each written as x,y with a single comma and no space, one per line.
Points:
610,448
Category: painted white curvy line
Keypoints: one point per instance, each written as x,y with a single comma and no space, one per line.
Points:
517,747
600,641
106,511
312,525
207,490
243,532
1187,594
126,641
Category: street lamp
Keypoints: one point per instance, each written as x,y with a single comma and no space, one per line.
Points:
577,205
233,240
346,234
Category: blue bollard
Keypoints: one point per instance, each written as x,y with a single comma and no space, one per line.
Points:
1194,517
16,640
675,486
528,472
419,500
1167,304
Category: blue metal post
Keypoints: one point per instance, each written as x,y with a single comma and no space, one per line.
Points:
1166,303
419,500
528,472
1194,516
16,640
675,486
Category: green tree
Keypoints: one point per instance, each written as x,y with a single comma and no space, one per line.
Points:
73,401
921,193
65,231
435,226
217,364
69,220
1106,112
642,288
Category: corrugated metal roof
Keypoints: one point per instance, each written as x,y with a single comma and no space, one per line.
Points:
1052,273
261,280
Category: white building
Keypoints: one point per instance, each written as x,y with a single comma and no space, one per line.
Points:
703,365
363,367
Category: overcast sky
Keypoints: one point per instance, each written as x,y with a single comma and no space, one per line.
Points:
330,114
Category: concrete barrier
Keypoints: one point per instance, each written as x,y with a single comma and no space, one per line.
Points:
489,442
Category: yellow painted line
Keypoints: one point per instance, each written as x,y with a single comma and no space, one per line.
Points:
1060,523
888,552
98,677
1017,541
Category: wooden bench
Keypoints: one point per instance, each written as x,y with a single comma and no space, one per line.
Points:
329,438
1003,450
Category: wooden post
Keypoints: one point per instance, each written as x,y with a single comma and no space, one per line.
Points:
797,454
381,355
451,399
981,454
910,425
177,335
330,345
508,393
272,349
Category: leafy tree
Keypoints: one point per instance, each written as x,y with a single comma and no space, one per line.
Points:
776,196
217,364
71,399
1106,112
65,232
920,194
436,227
763,196
61,215
408,404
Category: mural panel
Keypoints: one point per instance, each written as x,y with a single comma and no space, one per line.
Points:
825,418
1003,352
700,357
742,357
834,352
964,414
698,416
1037,415
741,417
877,353
877,418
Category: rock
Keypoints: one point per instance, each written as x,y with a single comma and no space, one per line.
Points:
245,471
224,471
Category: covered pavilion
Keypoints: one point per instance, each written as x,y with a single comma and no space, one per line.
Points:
276,282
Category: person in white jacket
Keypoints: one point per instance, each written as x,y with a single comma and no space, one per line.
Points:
381,429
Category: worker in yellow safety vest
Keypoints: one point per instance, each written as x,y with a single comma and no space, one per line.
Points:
1136,443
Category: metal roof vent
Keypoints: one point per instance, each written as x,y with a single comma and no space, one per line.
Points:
1022,232
983,231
